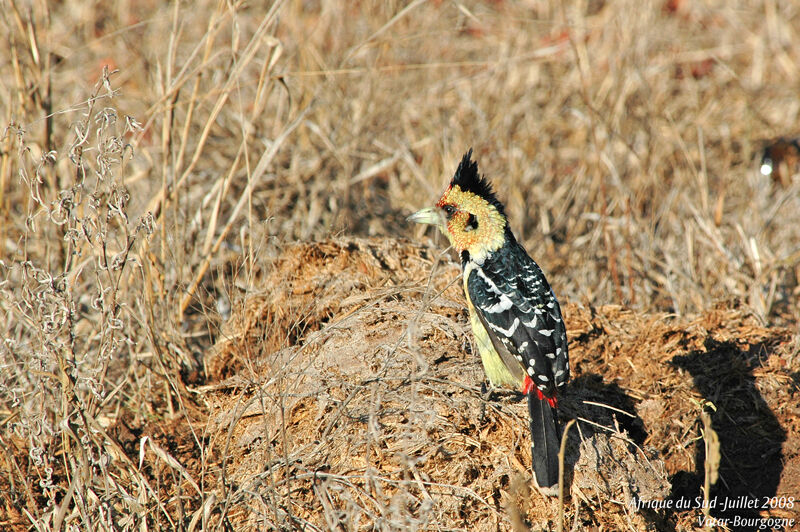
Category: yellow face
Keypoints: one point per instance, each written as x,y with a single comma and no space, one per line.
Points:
470,222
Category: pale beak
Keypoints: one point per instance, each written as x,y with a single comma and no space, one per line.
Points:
431,215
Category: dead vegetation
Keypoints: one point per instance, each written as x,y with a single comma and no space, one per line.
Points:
178,354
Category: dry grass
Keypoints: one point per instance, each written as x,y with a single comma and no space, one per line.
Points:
156,159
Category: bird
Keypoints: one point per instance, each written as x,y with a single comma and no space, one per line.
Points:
515,317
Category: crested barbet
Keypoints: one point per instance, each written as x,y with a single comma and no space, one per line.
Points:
514,314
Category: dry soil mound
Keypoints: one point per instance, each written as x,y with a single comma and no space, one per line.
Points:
346,396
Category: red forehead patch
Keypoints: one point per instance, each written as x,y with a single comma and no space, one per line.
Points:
441,201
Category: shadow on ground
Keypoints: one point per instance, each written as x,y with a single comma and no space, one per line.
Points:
750,436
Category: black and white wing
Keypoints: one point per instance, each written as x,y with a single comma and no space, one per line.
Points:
522,315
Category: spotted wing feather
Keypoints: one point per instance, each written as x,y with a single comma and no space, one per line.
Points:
522,314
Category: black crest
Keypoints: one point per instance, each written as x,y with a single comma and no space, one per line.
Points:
468,180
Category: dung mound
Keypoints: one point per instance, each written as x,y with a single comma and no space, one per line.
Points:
346,396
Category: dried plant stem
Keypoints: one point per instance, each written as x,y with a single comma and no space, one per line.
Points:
561,455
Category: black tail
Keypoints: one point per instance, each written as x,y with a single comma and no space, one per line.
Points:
545,442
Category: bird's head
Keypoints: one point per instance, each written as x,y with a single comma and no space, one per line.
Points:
468,213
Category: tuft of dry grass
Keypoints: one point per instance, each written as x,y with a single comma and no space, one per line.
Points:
157,158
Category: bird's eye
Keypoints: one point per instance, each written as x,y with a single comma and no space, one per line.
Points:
449,210
472,223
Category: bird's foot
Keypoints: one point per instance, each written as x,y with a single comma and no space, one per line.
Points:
490,393
486,391
486,394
